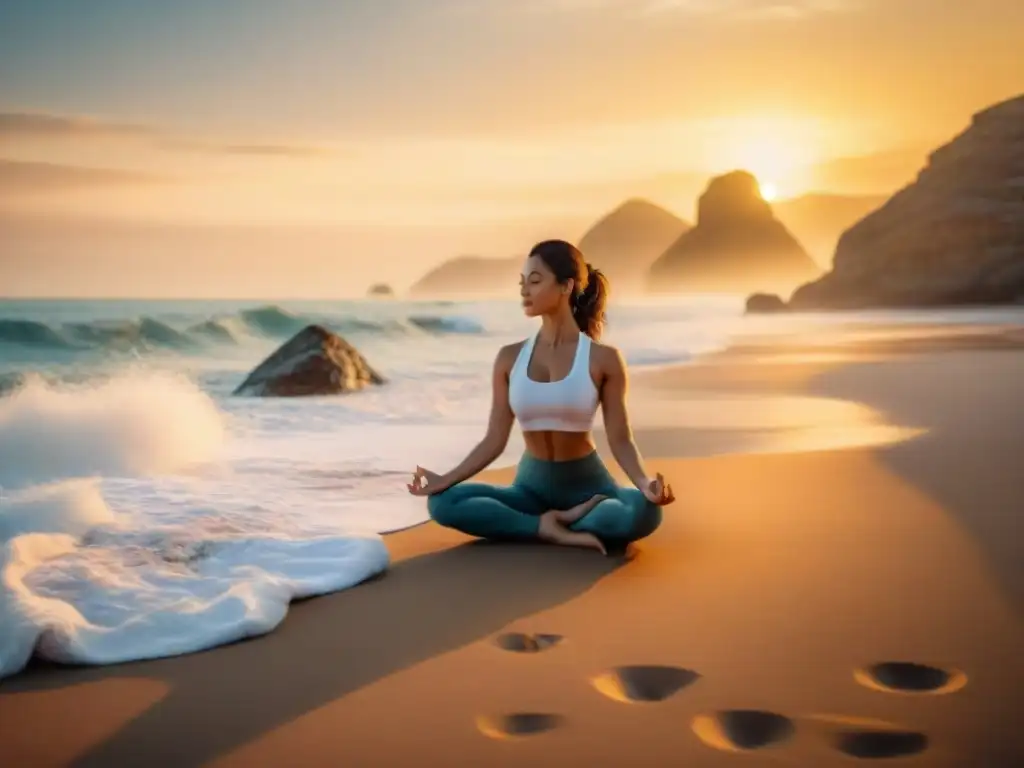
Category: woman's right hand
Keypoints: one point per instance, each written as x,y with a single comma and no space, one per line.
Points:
424,483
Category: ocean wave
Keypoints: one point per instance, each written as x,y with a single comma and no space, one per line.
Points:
125,336
216,331
86,583
32,333
135,423
447,324
273,321
267,322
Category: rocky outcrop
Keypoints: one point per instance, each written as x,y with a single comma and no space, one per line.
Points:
467,276
954,236
764,303
313,362
626,241
381,290
737,246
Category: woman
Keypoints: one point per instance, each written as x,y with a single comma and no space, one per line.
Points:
552,383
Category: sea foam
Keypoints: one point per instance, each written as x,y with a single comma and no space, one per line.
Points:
83,583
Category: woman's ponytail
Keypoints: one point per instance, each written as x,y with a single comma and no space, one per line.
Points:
589,303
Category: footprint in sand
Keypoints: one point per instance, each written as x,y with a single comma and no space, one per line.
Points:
870,738
521,642
739,730
910,677
877,744
521,724
643,683
743,730
518,724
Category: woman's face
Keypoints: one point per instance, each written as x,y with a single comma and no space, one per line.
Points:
539,288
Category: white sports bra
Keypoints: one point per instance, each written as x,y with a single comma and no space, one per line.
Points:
566,405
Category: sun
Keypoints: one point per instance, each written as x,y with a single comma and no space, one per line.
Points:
778,150
769,191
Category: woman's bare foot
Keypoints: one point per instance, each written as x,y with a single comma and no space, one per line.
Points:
571,515
551,530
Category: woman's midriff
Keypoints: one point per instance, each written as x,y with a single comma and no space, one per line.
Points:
559,446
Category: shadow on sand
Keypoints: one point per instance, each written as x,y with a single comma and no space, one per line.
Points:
961,461
422,606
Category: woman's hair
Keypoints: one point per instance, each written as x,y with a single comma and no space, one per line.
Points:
590,287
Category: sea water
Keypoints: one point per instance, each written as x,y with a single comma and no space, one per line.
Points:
145,511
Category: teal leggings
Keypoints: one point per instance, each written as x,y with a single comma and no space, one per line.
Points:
513,512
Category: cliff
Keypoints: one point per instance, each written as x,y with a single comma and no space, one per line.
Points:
954,236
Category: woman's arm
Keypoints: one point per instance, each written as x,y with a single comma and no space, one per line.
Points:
616,420
499,426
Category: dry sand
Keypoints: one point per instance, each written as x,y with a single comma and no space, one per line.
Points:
745,631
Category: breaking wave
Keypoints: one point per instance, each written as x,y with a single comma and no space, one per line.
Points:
85,581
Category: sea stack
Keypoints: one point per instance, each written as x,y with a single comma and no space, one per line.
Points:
954,236
737,245
314,361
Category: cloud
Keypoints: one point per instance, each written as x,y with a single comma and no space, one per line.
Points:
39,125
42,125
793,9
747,10
257,150
885,170
271,149
18,177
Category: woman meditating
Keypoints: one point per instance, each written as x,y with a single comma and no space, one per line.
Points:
552,383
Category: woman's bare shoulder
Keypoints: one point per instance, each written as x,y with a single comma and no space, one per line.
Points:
507,355
607,356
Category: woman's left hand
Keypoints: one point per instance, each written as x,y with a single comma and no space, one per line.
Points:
658,491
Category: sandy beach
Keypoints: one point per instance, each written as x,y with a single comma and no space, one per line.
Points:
748,630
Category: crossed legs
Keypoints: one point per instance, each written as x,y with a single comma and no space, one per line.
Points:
613,515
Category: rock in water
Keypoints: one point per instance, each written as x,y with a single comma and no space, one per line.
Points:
381,289
313,362
953,236
737,246
763,303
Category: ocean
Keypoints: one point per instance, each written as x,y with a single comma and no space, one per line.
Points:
145,511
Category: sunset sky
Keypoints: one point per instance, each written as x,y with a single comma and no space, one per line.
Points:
457,115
